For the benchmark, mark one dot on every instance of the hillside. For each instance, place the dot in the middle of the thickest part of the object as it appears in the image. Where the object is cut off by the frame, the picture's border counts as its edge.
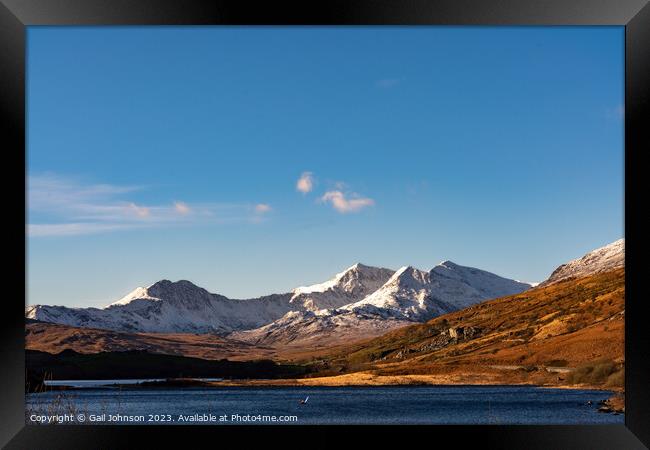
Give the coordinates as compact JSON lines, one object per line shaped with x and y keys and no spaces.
{"x":54,"y":338}
{"x":603,"y":259}
{"x":561,"y":333}
{"x":70,"y":365}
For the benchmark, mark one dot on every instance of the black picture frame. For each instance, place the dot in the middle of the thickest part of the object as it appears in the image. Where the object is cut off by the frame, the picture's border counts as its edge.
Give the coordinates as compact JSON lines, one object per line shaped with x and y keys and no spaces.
{"x":16,"y":15}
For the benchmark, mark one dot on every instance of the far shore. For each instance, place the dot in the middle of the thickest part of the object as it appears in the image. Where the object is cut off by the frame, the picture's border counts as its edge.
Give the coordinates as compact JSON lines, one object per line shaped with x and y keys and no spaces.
{"x":359,"y":379}
{"x":614,"y":404}
{"x":356,"y":379}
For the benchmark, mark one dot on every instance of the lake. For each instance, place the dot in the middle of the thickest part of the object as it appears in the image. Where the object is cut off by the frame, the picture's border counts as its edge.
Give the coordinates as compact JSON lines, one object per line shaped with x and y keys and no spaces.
{"x":325,"y":405}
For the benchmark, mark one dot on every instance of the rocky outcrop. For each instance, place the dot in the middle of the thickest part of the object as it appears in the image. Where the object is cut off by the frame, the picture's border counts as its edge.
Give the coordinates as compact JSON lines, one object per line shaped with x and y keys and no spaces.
{"x":462,"y":333}
{"x":450,"y":336}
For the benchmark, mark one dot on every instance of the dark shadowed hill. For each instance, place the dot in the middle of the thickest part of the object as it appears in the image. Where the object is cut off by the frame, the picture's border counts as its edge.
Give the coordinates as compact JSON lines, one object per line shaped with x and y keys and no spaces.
{"x":70,"y":365}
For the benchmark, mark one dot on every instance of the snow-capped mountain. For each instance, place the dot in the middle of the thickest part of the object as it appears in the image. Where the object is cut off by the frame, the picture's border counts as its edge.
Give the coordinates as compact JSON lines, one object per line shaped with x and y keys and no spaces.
{"x":359,"y":299}
{"x":359,"y":302}
{"x":182,"y":306}
{"x":412,"y":294}
{"x":409,"y":295}
{"x":346,"y":287}
{"x":603,"y":259}
{"x":166,"y":307}
{"x":319,"y":328}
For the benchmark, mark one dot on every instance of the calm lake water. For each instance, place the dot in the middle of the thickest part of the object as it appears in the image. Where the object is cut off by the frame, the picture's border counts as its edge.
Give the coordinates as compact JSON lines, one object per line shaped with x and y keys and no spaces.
{"x":325,"y":405}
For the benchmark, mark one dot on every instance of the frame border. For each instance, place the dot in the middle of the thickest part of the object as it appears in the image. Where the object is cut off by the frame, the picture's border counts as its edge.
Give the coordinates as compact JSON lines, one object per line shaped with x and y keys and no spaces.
{"x":16,"y":15}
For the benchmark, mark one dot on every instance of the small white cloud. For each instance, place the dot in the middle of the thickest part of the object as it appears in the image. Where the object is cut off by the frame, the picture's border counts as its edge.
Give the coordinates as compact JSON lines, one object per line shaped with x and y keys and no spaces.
{"x":262,"y":208}
{"x":182,"y":208}
{"x":305,"y":183}
{"x":345,"y":205}
{"x":140,"y":211}
{"x":387,"y":83}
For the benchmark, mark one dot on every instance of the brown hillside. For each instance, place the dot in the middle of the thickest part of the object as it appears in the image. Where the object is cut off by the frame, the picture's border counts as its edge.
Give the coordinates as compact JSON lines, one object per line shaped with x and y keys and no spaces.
{"x":571,"y":332}
{"x":54,"y":338}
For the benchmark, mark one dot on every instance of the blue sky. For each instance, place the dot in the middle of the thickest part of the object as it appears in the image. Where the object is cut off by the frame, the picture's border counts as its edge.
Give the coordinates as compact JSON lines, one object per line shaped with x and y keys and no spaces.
{"x":254,"y":160}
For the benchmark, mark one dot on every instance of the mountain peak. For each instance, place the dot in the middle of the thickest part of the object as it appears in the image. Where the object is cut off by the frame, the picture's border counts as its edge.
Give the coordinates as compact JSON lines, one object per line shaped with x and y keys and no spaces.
{"x":356,"y":271}
{"x":162,"y":290}
{"x":167,"y":283}
{"x":166,"y":288}
{"x":346,"y":287}
{"x":603,"y":259}
{"x":449,"y":264}
{"x":404,"y":269}
{"x":357,"y":267}
{"x":136,"y":294}
{"x":407,"y":275}
{"x":353,"y":268}
{"x":413,"y":294}
{"x":364,"y":292}
{"x":161,"y":283}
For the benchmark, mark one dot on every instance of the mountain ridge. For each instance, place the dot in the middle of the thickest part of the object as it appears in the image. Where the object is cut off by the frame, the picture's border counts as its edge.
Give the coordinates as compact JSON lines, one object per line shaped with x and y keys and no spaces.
{"x":366,"y":298}
{"x":409,"y":295}
{"x":181,"y":306}
{"x":602,"y":259}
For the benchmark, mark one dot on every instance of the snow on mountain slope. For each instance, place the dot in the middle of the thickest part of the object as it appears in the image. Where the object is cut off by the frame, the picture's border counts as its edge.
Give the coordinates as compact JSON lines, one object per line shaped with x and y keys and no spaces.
{"x":170,"y":307}
{"x":346,"y":287}
{"x":361,"y":301}
{"x":182,"y":306}
{"x":408,"y":295}
{"x":602,"y":259}
{"x":315,"y":329}
{"x":486,"y":283}
{"x":412,"y":294}
{"x":360,"y":298}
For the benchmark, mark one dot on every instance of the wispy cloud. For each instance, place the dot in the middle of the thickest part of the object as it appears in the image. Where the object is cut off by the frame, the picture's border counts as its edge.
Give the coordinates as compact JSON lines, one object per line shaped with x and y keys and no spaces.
{"x":344,"y":203}
{"x":75,"y":229}
{"x":305,"y":183}
{"x":182,"y":208}
{"x":387,"y":83}
{"x":262,"y":208}
{"x":140,"y":211}
{"x":62,"y":206}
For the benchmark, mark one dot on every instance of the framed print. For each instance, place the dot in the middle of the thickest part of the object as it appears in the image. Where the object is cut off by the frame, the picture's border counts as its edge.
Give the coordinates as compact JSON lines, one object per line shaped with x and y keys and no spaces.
{"x":292,"y":221}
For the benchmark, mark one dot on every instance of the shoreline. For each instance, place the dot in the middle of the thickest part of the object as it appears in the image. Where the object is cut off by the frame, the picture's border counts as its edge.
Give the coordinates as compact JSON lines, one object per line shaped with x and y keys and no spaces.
{"x":615,"y":403}
{"x":357,"y":379}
